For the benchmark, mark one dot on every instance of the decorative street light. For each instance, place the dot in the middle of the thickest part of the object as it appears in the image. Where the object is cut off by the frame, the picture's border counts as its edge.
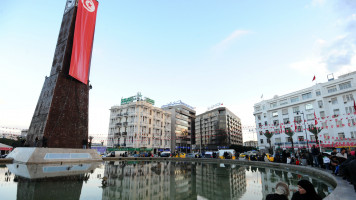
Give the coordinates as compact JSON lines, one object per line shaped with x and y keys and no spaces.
{"x":305,"y":128}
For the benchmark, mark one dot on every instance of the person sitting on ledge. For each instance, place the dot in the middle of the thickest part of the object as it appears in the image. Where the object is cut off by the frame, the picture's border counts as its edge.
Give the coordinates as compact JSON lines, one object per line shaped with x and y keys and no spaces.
{"x":306,"y":191}
{"x":282,"y":192}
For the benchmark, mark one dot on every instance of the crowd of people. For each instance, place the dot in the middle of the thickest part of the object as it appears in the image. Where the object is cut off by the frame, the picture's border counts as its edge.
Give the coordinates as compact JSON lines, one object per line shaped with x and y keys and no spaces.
{"x":342,"y":163}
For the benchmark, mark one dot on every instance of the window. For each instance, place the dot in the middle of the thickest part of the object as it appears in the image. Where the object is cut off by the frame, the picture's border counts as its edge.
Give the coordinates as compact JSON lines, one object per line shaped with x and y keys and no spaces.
{"x":286,"y":121}
{"x":320,"y":104}
{"x":318,"y":93}
{"x":353,"y":134}
{"x":265,"y":123}
{"x":285,"y":111}
{"x":341,"y":135}
{"x":312,"y":137}
{"x":336,"y":112}
{"x":260,"y":125}
{"x":287,"y":130}
{"x":259,"y":117}
{"x":261,"y":141}
{"x":275,"y":122}
{"x":273,"y":105}
{"x":299,"y":129}
{"x":306,"y":96}
{"x":333,"y":100}
{"x":326,"y":136}
{"x":261,"y":133}
{"x":298,"y":119}
{"x":352,"y":122}
{"x":277,"y":140}
{"x":322,"y":114}
{"x":348,"y":97}
{"x":264,"y":115}
{"x":339,"y":123}
{"x":324,"y":124}
{"x":294,"y":99}
{"x":300,"y":138}
{"x":275,"y":114}
{"x":257,"y":108}
{"x":309,"y":106}
{"x":283,"y":102}
{"x":332,"y":89}
{"x":277,"y":131}
{"x":346,"y":85}
{"x":349,"y":110}
{"x":310,"y":117}
{"x":295,"y":109}
{"x":288,"y":139}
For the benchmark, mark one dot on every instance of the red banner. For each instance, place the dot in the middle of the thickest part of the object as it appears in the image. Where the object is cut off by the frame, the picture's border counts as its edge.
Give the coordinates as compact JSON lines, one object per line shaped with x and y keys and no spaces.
{"x":83,"y":40}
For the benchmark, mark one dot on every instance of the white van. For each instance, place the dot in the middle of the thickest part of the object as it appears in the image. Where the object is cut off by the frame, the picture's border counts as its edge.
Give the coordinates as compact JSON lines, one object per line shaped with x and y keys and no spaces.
{"x":222,"y":151}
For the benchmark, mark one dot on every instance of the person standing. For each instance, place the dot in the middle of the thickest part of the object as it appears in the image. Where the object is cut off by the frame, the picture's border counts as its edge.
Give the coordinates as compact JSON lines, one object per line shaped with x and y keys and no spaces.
{"x":315,"y":153}
{"x":281,"y":192}
{"x":342,"y":153}
{"x":306,"y":191}
{"x":84,"y":143}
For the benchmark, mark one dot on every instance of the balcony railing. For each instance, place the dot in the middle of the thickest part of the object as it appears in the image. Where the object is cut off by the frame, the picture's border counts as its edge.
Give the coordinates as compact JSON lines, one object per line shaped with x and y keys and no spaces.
{"x":119,"y":124}
{"x":125,"y":123}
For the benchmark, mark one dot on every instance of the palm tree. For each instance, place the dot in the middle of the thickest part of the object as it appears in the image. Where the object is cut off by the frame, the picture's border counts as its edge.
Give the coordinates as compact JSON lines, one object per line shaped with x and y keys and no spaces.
{"x":269,"y":135}
{"x":290,"y":133}
{"x":315,"y":131}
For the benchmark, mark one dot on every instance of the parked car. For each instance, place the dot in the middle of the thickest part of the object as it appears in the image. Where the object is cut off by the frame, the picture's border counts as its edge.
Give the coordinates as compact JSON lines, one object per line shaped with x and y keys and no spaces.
{"x":166,"y":154}
{"x":270,"y":157}
{"x":242,"y":155}
{"x":191,"y":155}
{"x":180,"y":155}
{"x":3,"y":156}
{"x":208,"y":154}
{"x":231,"y":152}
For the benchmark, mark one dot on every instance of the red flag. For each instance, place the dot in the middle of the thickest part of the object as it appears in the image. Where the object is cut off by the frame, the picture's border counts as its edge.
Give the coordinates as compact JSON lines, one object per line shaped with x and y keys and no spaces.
{"x":83,"y":40}
{"x":313,"y":78}
{"x":316,"y":122}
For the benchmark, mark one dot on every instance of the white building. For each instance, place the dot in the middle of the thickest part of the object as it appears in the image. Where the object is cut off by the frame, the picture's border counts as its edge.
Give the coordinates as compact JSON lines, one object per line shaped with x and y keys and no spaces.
{"x":333,"y":105}
{"x":136,"y":123}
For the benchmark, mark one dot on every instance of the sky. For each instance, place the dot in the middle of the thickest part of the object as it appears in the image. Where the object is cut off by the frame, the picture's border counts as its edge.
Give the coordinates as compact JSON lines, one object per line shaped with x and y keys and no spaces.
{"x":201,"y":52}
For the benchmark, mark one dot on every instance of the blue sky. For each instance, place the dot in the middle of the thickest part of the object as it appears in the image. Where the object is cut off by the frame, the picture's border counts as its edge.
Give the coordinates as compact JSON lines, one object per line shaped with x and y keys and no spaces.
{"x":201,"y":52}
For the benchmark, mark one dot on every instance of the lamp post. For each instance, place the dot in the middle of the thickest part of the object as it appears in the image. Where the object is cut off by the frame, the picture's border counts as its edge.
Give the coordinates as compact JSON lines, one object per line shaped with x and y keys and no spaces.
{"x":305,"y":128}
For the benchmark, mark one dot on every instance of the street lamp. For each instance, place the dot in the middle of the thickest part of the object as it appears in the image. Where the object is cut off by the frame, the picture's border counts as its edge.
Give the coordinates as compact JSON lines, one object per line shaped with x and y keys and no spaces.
{"x":305,"y":128}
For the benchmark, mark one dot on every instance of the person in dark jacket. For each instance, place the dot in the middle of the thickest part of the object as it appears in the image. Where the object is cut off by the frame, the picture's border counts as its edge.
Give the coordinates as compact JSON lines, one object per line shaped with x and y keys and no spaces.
{"x":282,"y":192}
{"x":306,"y":191}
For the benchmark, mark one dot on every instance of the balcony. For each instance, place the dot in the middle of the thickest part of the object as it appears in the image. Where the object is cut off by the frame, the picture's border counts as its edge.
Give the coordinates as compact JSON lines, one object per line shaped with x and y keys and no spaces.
{"x":119,"y":124}
{"x":119,"y":115}
{"x":123,"y":145}
{"x":124,"y":133}
{"x":125,"y":114}
{"x":125,"y":123}
{"x":117,"y":134}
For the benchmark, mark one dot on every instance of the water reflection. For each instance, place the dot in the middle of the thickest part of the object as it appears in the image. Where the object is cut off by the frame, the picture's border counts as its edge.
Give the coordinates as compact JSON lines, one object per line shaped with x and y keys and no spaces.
{"x":145,"y":180}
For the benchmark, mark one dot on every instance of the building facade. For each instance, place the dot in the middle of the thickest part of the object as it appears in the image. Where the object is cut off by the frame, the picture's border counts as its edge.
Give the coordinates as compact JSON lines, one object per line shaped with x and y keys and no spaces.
{"x":329,"y":106}
{"x":138,"y":124}
{"x":251,"y":143}
{"x":217,"y":128}
{"x":182,"y":126}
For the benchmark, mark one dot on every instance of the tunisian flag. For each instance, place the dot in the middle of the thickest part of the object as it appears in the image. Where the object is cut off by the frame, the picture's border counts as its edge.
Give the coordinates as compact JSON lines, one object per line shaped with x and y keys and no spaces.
{"x":316,"y":122}
{"x":83,"y":40}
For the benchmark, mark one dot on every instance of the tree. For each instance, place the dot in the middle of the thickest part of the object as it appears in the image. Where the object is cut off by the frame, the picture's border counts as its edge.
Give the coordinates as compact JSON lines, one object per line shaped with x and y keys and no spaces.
{"x":315,"y":131}
{"x":290,"y":133}
{"x":269,"y":135}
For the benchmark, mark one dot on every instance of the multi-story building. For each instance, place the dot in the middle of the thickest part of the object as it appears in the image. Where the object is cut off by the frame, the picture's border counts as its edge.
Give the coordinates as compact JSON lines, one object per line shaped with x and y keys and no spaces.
{"x":182,"y":126}
{"x":209,"y":181}
{"x":251,"y":143}
{"x":136,"y":123}
{"x":329,"y":106}
{"x":217,"y":128}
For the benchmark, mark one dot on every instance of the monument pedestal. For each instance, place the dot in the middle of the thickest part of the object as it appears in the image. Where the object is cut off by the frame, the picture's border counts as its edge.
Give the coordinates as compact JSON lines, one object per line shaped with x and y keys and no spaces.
{"x":36,"y":155}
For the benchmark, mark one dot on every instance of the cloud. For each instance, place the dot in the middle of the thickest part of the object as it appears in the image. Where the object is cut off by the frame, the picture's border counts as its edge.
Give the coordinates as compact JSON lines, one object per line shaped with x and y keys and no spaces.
{"x":230,"y":39}
{"x":337,"y":56}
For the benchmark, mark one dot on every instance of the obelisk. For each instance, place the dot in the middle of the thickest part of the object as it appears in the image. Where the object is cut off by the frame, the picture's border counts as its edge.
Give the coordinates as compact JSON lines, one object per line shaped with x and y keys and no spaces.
{"x":60,"y":119}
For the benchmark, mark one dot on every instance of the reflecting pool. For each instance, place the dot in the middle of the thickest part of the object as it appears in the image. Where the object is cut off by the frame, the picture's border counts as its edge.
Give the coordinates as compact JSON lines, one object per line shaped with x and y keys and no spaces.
{"x":146,"y":180}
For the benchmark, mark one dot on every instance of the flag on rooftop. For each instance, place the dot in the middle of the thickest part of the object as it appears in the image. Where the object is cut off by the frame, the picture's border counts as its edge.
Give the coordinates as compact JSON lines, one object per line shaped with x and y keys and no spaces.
{"x":313,"y":78}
